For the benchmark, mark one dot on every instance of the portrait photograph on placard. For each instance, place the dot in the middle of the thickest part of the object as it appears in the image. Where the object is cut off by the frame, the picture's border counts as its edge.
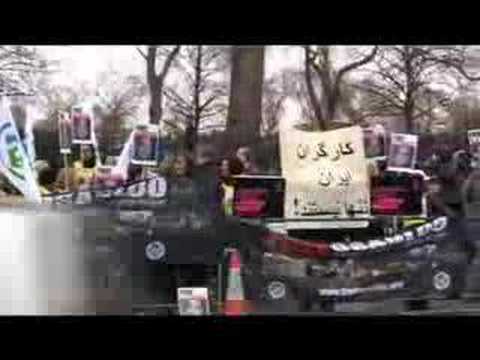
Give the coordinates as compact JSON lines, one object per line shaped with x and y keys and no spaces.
{"x":474,"y":141}
{"x":65,"y":134}
{"x":193,"y":301}
{"x":82,"y":124}
{"x":145,"y":146}
{"x":403,"y":152}
{"x":374,"y":141}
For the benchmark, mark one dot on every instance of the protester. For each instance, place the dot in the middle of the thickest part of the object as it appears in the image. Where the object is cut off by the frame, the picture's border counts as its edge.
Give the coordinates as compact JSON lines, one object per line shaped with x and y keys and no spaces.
{"x":448,"y":200}
{"x":46,"y":180}
{"x":84,"y":169}
{"x":6,"y":188}
{"x":471,"y":190}
{"x":134,"y":172}
{"x":228,"y":168}
{"x":205,"y":177}
{"x":183,"y":195}
{"x":244,"y":154}
{"x":105,"y":177}
{"x":181,"y":187}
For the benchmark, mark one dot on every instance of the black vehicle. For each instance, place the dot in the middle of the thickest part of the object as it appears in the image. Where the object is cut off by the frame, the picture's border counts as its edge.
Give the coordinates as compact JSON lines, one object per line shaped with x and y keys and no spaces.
{"x":318,"y":265}
{"x":172,"y":249}
{"x":157,"y":244}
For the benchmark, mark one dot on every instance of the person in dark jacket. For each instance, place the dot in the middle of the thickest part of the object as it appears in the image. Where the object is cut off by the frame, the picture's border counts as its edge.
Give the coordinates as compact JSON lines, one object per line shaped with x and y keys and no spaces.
{"x":189,"y":197}
{"x":228,"y":168}
{"x":205,"y":177}
{"x":448,"y":200}
{"x":181,"y":187}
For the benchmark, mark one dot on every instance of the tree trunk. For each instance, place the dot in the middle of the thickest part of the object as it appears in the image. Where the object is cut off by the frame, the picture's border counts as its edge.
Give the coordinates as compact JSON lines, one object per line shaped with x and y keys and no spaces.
{"x":155,"y":109}
{"x":315,"y":103}
{"x":409,"y":101}
{"x":244,"y":117}
{"x":196,"y":97}
{"x":408,"y":112}
{"x":155,"y":81}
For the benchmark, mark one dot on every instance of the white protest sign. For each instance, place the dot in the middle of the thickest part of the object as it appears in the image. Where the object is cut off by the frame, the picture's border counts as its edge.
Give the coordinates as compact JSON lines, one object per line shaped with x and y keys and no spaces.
{"x":193,"y":301}
{"x":145,"y":146}
{"x":474,"y":141}
{"x":82,"y":125}
{"x":326,"y":174}
{"x":402,"y":155}
{"x":374,"y":140}
{"x":65,"y":133}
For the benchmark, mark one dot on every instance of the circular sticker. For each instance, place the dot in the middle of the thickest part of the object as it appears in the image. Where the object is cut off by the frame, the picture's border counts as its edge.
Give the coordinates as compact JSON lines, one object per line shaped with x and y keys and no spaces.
{"x":441,"y":281}
{"x":155,"y":250}
{"x":276,"y":290}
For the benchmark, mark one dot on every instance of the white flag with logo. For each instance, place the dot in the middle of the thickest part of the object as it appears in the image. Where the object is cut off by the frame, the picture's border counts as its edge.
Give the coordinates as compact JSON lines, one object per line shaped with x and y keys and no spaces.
{"x":124,"y":159}
{"x":14,"y":162}
{"x":29,"y":141}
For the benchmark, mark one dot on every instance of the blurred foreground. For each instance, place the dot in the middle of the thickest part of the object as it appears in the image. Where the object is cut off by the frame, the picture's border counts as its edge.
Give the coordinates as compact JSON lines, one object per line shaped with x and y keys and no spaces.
{"x":52,"y":265}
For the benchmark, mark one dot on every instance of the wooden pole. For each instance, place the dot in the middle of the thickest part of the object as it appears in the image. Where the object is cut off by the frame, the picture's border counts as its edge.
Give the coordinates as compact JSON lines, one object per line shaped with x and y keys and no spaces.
{"x":67,"y":172}
{"x":82,"y":154}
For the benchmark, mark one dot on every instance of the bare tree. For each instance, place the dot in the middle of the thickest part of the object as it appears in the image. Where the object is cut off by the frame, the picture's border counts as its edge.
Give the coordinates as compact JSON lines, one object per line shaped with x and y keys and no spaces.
{"x":464,"y":113}
{"x":156,"y":79}
{"x":276,"y":91}
{"x":325,"y":101}
{"x":18,"y":66}
{"x":403,"y":75}
{"x":54,"y":99}
{"x":118,"y":102}
{"x":202,"y":97}
{"x":245,"y":101}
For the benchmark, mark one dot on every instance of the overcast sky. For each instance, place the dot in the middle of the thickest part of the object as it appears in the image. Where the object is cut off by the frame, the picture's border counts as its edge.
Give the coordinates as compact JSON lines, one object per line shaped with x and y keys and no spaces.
{"x":83,"y":64}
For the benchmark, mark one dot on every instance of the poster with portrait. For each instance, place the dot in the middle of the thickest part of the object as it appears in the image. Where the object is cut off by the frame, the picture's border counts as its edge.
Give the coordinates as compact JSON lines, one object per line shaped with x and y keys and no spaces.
{"x":326,"y":174}
{"x":65,"y":134}
{"x":193,"y":301}
{"x":145,"y":146}
{"x":375,"y":142}
{"x":402,"y":155}
{"x":82,"y":126}
{"x":474,"y":141}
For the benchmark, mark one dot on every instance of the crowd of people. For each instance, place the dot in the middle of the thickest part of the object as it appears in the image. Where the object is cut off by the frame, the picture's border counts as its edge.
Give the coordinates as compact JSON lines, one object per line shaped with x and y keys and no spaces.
{"x":202,"y":176}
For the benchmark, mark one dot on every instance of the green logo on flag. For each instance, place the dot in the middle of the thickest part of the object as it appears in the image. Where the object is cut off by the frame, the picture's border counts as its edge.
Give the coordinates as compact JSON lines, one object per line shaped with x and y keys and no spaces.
{"x":16,"y":162}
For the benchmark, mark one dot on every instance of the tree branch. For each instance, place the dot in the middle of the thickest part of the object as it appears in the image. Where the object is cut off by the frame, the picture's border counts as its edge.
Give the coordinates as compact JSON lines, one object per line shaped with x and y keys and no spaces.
{"x":177,"y":100}
{"x":208,"y":102}
{"x":347,"y":68}
{"x":168,"y":62}
{"x":142,"y":53}
{"x":317,"y":108}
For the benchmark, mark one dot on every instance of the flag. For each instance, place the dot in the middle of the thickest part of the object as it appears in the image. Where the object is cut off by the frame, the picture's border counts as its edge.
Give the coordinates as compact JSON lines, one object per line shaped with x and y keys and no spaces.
{"x":14,"y":161}
{"x":29,"y":140}
{"x":96,"y":149}
{"x":123,"y":161}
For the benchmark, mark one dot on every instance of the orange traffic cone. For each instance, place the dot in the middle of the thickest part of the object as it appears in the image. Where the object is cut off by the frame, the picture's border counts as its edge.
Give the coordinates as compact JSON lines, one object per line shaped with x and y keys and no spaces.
{"x":235,"y":303}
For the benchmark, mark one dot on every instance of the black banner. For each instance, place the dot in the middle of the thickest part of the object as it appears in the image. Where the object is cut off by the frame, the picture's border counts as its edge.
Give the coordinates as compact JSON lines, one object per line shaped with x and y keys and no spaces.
{"x":151,"y":189}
